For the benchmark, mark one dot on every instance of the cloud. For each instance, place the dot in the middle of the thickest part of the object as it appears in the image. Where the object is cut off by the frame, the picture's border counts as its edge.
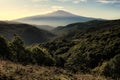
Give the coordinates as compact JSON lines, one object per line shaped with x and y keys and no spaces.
{"x":73,"y":1}
{"x":38,"y":0}
{"x":108,"y":1}
{"x":78,"y":1}
{"x":62,"y":0}
{"x":57,"y":7}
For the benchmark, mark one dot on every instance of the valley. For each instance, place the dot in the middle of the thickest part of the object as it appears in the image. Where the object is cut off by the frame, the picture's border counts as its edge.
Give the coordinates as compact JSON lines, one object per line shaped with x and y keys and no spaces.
{"x":59,"y":39}
{"x":86,"y":48}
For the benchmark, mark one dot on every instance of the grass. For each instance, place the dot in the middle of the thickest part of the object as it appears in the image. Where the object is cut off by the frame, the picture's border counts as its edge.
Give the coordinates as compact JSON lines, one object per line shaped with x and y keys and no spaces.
{"x":13,"y":71}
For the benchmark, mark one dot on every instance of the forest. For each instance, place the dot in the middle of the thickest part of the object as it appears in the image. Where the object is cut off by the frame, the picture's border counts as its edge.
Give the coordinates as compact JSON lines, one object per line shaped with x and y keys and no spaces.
{"x":89,"y":50}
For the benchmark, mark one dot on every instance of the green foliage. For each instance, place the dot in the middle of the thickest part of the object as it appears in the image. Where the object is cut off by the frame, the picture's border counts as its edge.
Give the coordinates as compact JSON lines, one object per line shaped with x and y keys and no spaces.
{"x":111,"y":68}
{"x":57,"y":49}
{"x":88,"y":50}
{"x":41,"y":57}
{"x":4,"y":49}
{"x":17,"y":49}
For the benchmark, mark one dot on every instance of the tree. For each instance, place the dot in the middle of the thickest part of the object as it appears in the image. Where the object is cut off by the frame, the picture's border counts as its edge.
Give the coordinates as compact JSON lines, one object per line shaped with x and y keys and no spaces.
{"x":4,"y":49}
{"x":112,"y":68}
{"x":41,"y":57}
{"x":17,"y":49}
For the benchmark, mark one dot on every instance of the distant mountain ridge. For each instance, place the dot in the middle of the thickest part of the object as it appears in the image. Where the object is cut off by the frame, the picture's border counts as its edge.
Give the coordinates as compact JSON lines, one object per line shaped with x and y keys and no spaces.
{"x":90,"y":26}
{"x":29,"y":33}
{"x":60,"y":13}
{"x":44,"y":27}
{"x":57,"y":18}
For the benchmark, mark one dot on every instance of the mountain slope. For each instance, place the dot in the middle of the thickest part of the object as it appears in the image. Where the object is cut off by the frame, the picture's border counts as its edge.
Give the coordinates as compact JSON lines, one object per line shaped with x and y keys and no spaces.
{"x":45,"y":27}
{"x":94,"y":47}
{"x":30,"y":34}
{"x":83,"y":27}
{"x":57,"y":18}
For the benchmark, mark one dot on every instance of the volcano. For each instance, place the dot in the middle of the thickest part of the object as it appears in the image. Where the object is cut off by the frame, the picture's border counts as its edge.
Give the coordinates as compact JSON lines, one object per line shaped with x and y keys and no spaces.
{"x":57,"y":18}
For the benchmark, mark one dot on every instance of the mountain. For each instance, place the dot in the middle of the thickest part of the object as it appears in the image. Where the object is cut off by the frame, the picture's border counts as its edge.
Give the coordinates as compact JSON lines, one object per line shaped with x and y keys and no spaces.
{"x":44,"y":27}
{"x":94,"y":47}
{"x":57,"y":18}
{"x":83,"y":27}
{"x":29,"y":33}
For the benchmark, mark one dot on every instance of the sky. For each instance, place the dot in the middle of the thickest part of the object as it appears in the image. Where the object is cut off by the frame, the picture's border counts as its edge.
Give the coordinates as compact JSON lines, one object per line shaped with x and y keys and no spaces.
{"x":14,"y":9}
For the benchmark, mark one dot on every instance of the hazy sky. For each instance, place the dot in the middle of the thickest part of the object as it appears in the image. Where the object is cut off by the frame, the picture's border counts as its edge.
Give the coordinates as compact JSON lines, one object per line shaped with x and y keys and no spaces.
{"x":12,"y":9}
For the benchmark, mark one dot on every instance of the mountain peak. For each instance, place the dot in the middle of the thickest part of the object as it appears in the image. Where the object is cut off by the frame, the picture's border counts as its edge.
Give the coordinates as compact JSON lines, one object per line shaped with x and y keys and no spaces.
{"x":56,"y":18}
{"x":61,"y":13}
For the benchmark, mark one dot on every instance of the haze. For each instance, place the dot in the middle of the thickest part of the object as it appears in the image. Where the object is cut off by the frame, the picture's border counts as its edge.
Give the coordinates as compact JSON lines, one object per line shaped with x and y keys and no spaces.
{"x":13,"y":9}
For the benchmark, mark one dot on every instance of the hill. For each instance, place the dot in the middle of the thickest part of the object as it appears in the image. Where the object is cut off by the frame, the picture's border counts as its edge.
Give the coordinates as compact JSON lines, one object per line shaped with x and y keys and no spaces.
{"x":94,"y":50}
{"x":29,"y":33}
{"x":45,"y":27}
{"x":84,"y":27}
{"x":57,"y":18}
{"x":90,"y":47}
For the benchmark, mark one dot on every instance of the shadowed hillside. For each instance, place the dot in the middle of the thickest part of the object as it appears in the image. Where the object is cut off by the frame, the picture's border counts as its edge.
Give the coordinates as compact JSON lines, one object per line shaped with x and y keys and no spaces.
{"x":85,"y":27}
{"x":91,"y":49}
{"x":30,"y":34}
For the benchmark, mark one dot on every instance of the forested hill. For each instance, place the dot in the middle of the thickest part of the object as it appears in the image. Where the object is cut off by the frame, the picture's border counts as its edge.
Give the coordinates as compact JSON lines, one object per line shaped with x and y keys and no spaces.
{"x":30,"y":34}
{"x":94,"y":50}
{"x":94,"y":47}
{"x":85,"y":27}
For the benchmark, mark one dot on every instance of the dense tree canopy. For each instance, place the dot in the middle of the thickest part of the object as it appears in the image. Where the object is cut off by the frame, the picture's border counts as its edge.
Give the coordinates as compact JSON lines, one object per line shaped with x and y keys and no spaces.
{"x":90,"y":50}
